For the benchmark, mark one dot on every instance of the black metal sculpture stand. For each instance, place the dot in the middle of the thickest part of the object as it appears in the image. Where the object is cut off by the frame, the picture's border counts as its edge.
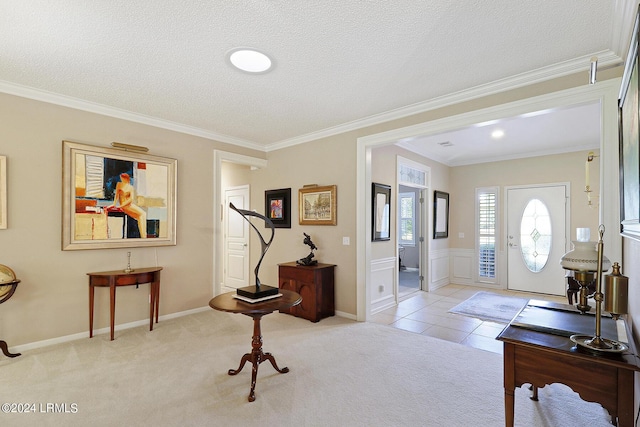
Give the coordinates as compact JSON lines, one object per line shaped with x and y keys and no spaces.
{"x":259,"y":290}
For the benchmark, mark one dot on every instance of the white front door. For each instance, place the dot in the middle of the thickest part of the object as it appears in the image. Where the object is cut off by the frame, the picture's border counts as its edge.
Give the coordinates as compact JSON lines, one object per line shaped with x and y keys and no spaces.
{"x":236,"y":239}
{"x":536,"y":238}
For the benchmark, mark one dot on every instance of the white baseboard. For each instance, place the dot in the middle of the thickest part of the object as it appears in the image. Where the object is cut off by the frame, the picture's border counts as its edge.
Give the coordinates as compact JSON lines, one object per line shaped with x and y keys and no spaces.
{"x":81,"y":335}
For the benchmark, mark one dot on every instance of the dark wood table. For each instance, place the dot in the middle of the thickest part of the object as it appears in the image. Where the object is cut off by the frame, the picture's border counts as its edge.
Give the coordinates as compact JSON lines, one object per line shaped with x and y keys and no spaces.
{"x":113,"y":279}
{"x":538,"y":351}
{"x":227,"y":302}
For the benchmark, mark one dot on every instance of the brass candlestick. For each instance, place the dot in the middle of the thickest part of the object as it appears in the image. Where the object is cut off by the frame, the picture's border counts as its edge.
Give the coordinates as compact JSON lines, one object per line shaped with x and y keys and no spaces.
{"x":128,"y":269}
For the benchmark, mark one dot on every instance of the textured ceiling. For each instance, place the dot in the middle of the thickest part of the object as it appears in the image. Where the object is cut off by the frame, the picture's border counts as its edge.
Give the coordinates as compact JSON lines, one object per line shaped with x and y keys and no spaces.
{"x":339,"y":63}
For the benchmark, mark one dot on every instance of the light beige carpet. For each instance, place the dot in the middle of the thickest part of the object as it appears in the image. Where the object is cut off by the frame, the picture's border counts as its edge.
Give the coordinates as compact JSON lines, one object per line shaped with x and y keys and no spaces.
{"x":343,"y":373}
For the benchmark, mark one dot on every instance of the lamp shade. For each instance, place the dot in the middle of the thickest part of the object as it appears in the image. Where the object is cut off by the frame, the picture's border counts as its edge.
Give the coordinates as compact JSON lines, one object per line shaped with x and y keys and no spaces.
{"x":584,"y":257}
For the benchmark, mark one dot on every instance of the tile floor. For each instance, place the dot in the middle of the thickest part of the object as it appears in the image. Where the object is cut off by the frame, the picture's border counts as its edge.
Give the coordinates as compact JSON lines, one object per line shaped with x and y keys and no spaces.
{"x":427,"y":313}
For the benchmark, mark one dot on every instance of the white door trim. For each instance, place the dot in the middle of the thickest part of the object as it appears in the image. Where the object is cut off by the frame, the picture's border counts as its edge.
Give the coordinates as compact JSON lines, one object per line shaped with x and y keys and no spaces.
{"x":605,"y":92}
{"x":218,"y":241}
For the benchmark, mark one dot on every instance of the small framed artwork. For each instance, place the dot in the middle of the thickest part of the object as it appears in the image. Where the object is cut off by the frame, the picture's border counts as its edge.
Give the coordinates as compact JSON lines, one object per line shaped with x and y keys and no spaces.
{"x":381,"y":208}
{"x":629,"y":144}
{"x":116,"y":198}
{"x":3,"y":192}
{"x":277,"y":207}
{"x":440,"y":215}
{"x":317,"y":205}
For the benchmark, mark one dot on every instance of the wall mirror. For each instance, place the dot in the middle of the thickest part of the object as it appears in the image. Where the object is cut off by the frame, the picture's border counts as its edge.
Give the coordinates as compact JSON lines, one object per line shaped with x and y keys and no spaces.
{"x":440,"y":215}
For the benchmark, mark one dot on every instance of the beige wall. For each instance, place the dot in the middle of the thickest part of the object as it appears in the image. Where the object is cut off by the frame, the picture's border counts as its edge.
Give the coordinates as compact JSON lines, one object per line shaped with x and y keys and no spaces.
{"x":52,"y":299}
{"x":234,"y":175}
{"x":324,"y":162}
{"x":567,"y":167}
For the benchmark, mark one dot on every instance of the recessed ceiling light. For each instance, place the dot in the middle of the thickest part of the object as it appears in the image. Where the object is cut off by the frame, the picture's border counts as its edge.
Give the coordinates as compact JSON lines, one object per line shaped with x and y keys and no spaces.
{"x":497,"y":134}
{"x":249,"y":60}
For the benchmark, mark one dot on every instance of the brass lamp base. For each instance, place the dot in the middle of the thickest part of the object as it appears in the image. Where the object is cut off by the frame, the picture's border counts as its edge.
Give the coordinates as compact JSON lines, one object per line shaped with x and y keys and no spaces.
{"x":599,"y":344}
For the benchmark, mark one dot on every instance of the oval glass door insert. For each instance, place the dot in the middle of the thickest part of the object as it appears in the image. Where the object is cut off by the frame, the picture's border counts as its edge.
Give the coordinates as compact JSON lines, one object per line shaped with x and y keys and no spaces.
{"x":535,"y":235}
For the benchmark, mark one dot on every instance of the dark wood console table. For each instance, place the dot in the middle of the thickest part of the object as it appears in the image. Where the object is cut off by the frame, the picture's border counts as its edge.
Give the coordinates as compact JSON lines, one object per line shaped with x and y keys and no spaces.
{"x":315,"y":283}
{"x":226,"y":302}
{"x":115,"y":278}
{"x":538,"y":351}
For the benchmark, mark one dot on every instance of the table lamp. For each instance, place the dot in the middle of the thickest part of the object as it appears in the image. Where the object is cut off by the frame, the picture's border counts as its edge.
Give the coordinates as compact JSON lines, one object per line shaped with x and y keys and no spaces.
{"x":582,"y":261}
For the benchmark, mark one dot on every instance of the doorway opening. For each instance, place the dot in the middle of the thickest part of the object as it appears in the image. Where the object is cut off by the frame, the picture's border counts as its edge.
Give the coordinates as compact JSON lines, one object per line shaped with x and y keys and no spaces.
{"x":230,"y":170}
{"x":409,"y":240}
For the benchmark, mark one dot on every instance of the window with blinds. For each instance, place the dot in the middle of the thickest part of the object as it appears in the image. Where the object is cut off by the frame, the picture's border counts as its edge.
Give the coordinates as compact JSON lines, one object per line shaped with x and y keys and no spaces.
{"x":407,"y":218}
{"x":487,"y":209}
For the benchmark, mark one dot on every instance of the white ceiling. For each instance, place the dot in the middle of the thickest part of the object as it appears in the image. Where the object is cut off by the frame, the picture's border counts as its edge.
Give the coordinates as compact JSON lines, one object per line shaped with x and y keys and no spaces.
{"x":340,"y":64}
{"x":546,"y":132}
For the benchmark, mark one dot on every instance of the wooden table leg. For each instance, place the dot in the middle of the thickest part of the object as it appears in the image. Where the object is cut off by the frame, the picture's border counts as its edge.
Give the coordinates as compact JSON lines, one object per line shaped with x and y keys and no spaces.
{"x":157,"y":283}
{"x":256,"y":357}
{"x":625,"y":398}
{"x":509,"y":384}
{"x":152,"y":303}
{"x":112,"y":303}
{"x":91,"y":295}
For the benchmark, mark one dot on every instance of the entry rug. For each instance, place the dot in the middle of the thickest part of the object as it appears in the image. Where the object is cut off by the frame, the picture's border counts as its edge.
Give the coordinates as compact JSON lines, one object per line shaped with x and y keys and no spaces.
{"x":490,"y":306}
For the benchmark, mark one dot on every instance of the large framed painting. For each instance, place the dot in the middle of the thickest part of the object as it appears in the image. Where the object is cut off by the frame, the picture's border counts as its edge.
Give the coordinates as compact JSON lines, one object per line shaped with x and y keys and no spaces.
{"x":628,"y":114}
{"x":317,"y":205}
{"x":3,"y":192}
{"x":381,"y":212}
{"x":277,"y":207}
{"x":116,"y":199}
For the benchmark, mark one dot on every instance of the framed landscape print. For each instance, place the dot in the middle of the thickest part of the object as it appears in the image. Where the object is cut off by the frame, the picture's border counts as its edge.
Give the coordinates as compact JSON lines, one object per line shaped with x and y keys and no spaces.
{"x":381,"y":211}
{"x":116,"y":199}
{"x":628,"y":113}
{"x":277,"y":207}
{"x":317,"y":205}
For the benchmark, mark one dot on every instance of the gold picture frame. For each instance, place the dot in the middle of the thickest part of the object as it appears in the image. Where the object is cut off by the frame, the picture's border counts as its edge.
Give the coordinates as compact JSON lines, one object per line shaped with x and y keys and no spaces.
{"x":3,"y":192}
{"x":115,"y":198}
{"x":317,"y":205}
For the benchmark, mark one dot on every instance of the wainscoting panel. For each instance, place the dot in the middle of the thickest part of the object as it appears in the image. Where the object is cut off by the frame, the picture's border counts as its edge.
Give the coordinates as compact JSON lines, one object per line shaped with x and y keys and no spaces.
{"x":438,"y":269}
{"x":383,"y":283}
{"x":462,"y":266}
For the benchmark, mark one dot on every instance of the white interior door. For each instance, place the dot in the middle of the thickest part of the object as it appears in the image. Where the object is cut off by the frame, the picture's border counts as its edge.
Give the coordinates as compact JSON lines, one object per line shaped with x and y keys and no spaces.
{"x":536,"y":238}
{"x":236,"y":239}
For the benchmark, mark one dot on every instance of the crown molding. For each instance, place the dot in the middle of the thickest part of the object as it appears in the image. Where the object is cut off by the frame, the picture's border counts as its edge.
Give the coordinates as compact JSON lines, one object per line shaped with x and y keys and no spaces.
{"x":624,"y":14}
{"x":606,"y":59}
{"x":105,"y":110}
